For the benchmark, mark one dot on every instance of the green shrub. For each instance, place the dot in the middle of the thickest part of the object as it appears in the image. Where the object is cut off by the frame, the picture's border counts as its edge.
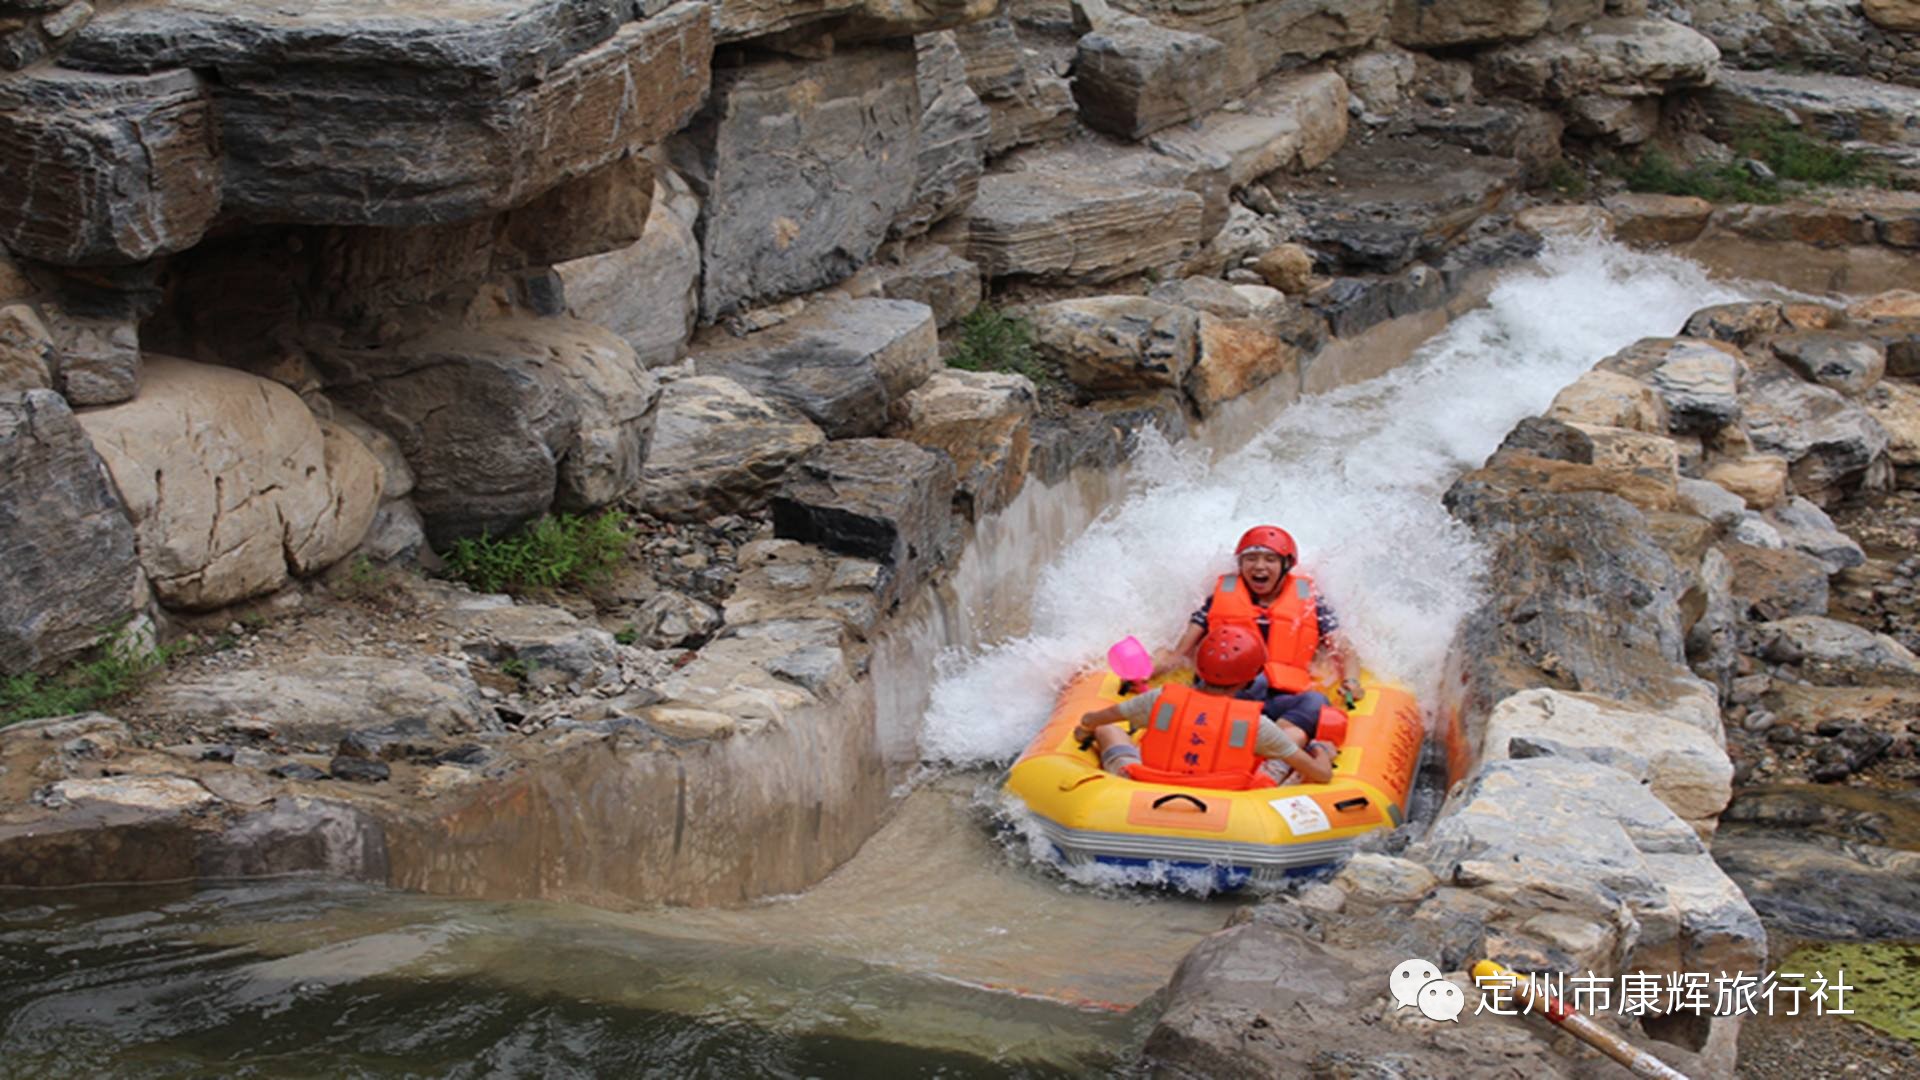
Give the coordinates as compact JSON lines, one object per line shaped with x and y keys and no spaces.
{"x":993,"y":341}
{"x":554,"y":552}
{"x":122,"y":659}
{"x":1566,"y":179}
{"x":1795,"y":155}
{"x":1792,"y":155}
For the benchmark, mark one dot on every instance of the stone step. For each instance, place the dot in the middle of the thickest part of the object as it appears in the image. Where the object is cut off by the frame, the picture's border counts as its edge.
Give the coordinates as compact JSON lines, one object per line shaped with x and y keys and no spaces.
{"x":1079,"y":228}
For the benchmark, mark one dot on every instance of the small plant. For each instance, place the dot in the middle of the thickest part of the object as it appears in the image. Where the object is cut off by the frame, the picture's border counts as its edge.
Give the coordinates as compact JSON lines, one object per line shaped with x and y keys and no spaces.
{"x":1566,"y":179}
{"x":1789,"y":155}
{"x":1656,"y":173}
{"x":554,"y":552}
{"x":991,"y":340}
{"x":1795,"y":155}
{"x":515,"y":667}
{"x":627,"y":634}
{"x":122,"y":658}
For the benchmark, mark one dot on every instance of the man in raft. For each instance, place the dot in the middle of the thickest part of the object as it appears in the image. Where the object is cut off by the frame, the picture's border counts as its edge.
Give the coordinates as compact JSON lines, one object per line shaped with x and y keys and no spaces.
{"x":1279,"y":604}
{"x":1199,"y":734}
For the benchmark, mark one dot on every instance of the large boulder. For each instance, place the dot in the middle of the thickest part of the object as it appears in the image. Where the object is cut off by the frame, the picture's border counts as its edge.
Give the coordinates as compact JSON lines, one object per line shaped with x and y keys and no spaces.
{"x":64,"y":537}
{"x":505,"y":419}
{"x":1580,"y":597}
{"x":1292,"y":123}
{"x":1685,"y":766}
{"x":1611,"y":399}
{"x":954,"y":129}
{"x":1846,"y":110}
{"x":1132,"y":78}
{"x":322,"y":113}
{"x":1113,"y":345}
{"x":1616,"y":57}
{"x":1902,"y":16}
{"x":1775,"y":583}
{"x":26,"y":350}
{"x":1848,"y":362}
{"x":1423,"y":24}
{"x":933,"y":275}
{"x":1591,"y":845}
{"x":883,"y":500}
{"x":841,"y":363}
{"x":1895,"y":405}
{"x":1833,"y":446}
{"x":1829,"y":652}
{"x":648,"y":291}
{"x":1028,"y":102}
{"x":718,"y":449}
{"x":1699,"y":381}
{"x":106,"y":168}
{"x":231,"y":483}
{"x":322,"y":699}
{"x":1234,"y":356}
{"x":983,"y":421}
{"x":1645,"y":218}
{"x":802,"y":166}
{"x":1806,"y":528}
{"x":1078,"y":229}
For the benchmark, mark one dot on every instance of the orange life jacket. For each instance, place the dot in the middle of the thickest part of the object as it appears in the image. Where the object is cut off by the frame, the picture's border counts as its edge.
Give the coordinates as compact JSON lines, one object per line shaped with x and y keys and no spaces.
{"x":1293,"y":626}
{"x":1201,"y":740}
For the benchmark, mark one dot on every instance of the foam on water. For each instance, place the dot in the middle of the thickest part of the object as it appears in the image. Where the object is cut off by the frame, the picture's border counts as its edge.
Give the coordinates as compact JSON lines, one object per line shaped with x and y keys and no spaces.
{"x":1356,"y":475}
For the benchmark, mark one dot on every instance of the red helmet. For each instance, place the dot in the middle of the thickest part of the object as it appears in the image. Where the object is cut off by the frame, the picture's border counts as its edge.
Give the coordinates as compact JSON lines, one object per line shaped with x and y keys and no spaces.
{"x":1271,"y":537}
{"x":1229,"y":656}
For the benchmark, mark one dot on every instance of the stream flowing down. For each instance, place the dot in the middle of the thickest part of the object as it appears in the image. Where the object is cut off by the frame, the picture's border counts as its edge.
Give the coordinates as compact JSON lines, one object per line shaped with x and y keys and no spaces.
{"x":1356,"y":475}
{"x":938,"y":950}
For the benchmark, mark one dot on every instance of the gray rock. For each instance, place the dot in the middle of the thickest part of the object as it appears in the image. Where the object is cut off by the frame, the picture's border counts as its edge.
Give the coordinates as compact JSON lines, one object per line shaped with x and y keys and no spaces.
{"x":321,"y":699}
{"x":1741,"y":323}
{"x":1621,"y":121}
{"x":1058,"y":228}
{"x":1027,"y":103}
{"x":1132,"y":78}
{"x":298,"y":835}
{"x":26,"y":350}
{"x":1290,"y":33}
{"x":955,"y":126}
{"x":315,"y":113}
{"x":982,"y":421}
{"x":801,"y":166}
{"x":933,"y":275}
{"x":718,"y":448}
{"x":64,"y":536}
{"x":554,"y":646}
{"x":1805,"y":527}
{"x":1383,"y":879}
{"x":503,"y":420}
{"x":96,"y":358}
{"x":1845,"y":110}
{"x":1699,"y":381}
{"x":648,"y":291}
{"x":1756,"y":531}
{"x":106,"y":168}
{"x":359,"y":770}
{"x":1832,"y":445}
{"x":1833,"y":653}
{"x":1635,"y":57}
{"x":1420,"y":24}
{"x":1116,"y":345}
{"x":1393,"y":201}
{"x":841,"y":363}
{"x":1848,"y":362}
{"x":1713,"y":641}
{"x":1593,"y":840}
{"x":1613,"y":623}
{"x":1709,"y":500}
{"x":668,"y":620}
{"x":1292,"y":124}
{"x":880,"y":499}
{"x":1776,"y":583}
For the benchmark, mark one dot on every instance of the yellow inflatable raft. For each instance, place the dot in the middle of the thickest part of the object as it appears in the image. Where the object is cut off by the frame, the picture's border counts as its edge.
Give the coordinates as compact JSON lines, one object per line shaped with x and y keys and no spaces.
{"x":1259,"y":835}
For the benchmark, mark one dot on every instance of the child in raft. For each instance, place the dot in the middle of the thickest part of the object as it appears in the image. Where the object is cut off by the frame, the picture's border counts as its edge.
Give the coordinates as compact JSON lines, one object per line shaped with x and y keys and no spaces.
{"x":1228,"y":661}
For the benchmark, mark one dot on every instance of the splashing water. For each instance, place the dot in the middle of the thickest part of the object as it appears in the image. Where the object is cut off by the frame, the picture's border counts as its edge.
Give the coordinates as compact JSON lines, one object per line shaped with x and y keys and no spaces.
{"x":1356,"y":476}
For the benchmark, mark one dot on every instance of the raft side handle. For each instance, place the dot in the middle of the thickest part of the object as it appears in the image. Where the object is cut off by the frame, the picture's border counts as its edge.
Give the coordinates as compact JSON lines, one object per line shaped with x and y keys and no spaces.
{"x":1355,"y":803}
{"x":1165,"y":799}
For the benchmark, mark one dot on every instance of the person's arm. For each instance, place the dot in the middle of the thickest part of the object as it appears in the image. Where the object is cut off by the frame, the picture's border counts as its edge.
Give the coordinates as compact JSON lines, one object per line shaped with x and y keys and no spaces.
{"x":1346,"y":665}
{"x":1314,"y":763}
{"x":1131,"y":709}
{"x":1181,"y":655}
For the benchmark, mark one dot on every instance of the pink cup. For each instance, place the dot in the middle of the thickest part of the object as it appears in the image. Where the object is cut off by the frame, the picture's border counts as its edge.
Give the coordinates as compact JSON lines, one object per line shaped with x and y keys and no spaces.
{"x":1130,"y":660}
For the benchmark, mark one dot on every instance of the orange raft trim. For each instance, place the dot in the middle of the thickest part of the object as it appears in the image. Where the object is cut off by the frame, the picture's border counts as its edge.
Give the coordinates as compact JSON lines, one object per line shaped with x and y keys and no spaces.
{"x":1094,"y":817}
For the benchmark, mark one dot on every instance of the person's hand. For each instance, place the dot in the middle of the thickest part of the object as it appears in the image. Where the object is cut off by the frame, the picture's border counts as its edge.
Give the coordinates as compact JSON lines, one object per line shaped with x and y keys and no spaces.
{"x":1167,"y":660}
{"x":1351,"y":690}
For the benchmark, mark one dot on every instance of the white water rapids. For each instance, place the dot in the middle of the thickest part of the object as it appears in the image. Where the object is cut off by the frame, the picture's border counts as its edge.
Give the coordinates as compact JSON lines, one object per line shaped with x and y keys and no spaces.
{"x":1356,"y":476}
